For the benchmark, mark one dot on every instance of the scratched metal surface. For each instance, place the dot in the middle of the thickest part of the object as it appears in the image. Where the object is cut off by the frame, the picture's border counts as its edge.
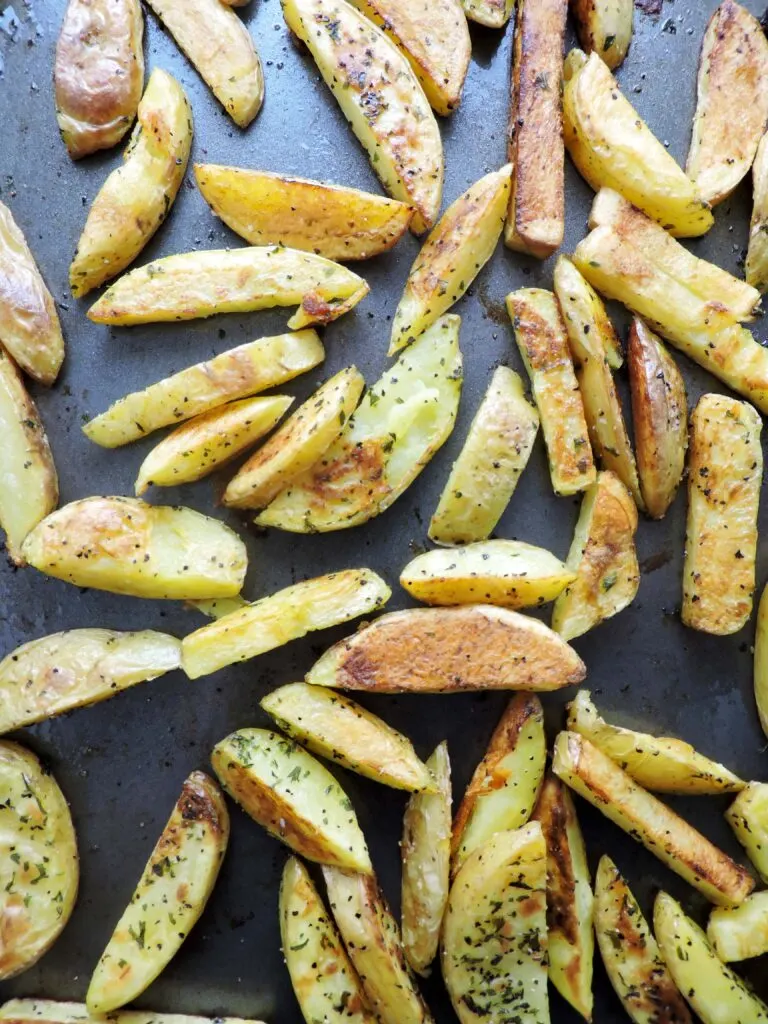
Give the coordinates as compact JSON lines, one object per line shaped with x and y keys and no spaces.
{"x":121,"y":764}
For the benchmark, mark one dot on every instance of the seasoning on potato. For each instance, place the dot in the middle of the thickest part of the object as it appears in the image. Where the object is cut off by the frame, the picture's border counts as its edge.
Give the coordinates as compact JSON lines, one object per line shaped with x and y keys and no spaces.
{"x":605,"y":27}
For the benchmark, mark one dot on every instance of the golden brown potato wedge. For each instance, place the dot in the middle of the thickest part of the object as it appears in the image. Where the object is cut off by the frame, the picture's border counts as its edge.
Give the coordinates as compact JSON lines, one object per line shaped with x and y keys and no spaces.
{"x":604,"y":27}
{"x":582,"y":309}
{"x":756,"y":267}
{"x":748,"y":817}
{"x":739,"y":933}
{"x":760,"y":673}
{"x":46,"y":1011}
{"x":491,"y":13}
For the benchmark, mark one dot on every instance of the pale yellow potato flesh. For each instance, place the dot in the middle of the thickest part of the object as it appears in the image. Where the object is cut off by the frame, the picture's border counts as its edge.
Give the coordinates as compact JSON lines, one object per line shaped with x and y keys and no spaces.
{"x":760,"y":669}
{"x":491,"y":13}
{"x":170,"y":897}
{"x":397,"y":127}
{"x":135,"y":199}
{"x":582,"y":309}
{"x":748,"y":817}
{"x":457,"y":249}
{"x":329,"y":220}
{"x":739,"y":933}
{"x":128,"y":547}
{"x":241,"y":371}
{"x":46,"y":1011}
{"x":756,"y":266}
{"x":217,"y":607}
{"x":604,"y":27}
{"x":485,"y":474}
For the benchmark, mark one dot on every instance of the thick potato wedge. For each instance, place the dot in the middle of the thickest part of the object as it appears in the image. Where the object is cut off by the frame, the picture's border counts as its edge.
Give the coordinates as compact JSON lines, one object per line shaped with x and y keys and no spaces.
{"x":732,"y":101}
{"x":219,"y":45}
{"x":494,"y":942}
{"x":404,"y":418}
{"x":324,"y":981}
{"x":724,"y":479}
{"x":335,"y":727}
{"x":504,"y":572}
{"x":457,"y":249}
{"x":292,"y":795}
{"x":596,"y":778}
{"x":238,"y":372}
{"x":284,"y":616}
{"x":46,"y":1011}
{"x":63,"y":671}
{"x":748,"y":817}
{"x":503,"y":790}
{"x":582,"y":309}
{"x":272,"y":209}
{"x":491,"y":13}
{"x":603,"y":557}
{"x":135,"y":199}
{"x":632,"y":960}
{"x":739,"y":933}
{"x":426,"y":855}
{"x":38,"y":860}
{"x":543,"y":342}
{"x":128,"y":547}
{"x":171,"y":895}
{"x":381,"y":98}
{"x":298,"y":444}
{"x":448,"y":650}
{"x":98,"y":73}
{"x":604,"y":27}
{"x":756,"y":267}
{"x":760,"y":671}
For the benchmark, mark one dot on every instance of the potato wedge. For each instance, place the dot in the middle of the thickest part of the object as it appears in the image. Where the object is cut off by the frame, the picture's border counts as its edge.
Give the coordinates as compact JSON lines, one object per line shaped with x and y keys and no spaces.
{"x":604,"y":558}
{"x":219,"y":45}
{"x":426,"y":855}
{"x":760,"y":671}
{"x":505,"y":785}
{"x":292,"y":795}
{"x":238,"y":372}
{"x":98,"y":73}
{"x":218,"y":607}
{"x":38,"y":860}
{"x":756,"y":267}
{"x":748,"y":817}
{"x":739,"y":933}
{"x":543,"y":343}
{"x":209,"y":441}
{"x":79,"y":667}
{"x":336,"y":728}
{"x":457,"y":249}
{"x":170,"y":897}
{"x":286,"y":615}
{"x":128,"y":547}
{"x":491,"y":13}
{"x":604,"y":27}
{"x":381,"y":98}
{"x":299,"y":443}
{"x":494,"y":942}
{"x":404,"y":418}
{"x":135,"y":199}
{"x":632,"y":959}
{"x":448,"y":650}
{"x":324,"y":981}
{"x":582,"y":309}
{"x":46,"y":1011}
{"x":504,"y":572}
{"x":329,"y":220}
{"x":596,"y":778}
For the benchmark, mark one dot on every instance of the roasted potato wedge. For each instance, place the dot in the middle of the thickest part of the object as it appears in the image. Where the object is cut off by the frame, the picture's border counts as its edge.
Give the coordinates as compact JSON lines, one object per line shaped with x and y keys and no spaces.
{"x":739,"y":933}
{"x":128,"y":547}
{"x":404,"y":418}
{"x":503,"y":790}
{"x":582,"y":309}
{"x":170,"y":897}
{"x":63,"y":671}
{"x":331,"y":221}
{"x":292,"y":795}
{"x":760,"y":671}
{"x":494,"y":942}
{"x":240,"y":371}
{"x":748,"y":817}
{"x":381,"y":98}
{"x":338,"y":729}
{"x":46,"y":1011}
{"x":484,"y":476}
{"x":98,"y":73}
{"x":425,"y":650}
{"x":596,"y":778}
{"x":38,"y":860}
{"x":457,"y":249}
{"x":756,"y":267}
{"x":604,"y":27}
{"x":491,"y":13}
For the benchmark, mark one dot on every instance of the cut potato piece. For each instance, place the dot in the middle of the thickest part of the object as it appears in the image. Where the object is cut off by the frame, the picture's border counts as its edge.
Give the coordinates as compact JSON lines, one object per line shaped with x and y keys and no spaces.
{"x":218,"y":607}
{"x":381,"y":98}
{"x":331,"y":221}
{"x":128,"y":547}
{"x":38,"y":860}
{"x":596,"y":778}
{"x":284,"y":616}
{"x":756,"y":267}
{"x":582,"y":310}
{"x":401,"y":422}
{"x":298,"y":444}
{"x":494,"y":942}
{"x":63,"y":671}
{"x":448,"y":650}
{"x":46,"y":1011}
{"x":171,"y":895}
{"x":761,"y":661}
{"x":604,"y":27}
{"x":221,"y":49}
{"x":238,"y":372}
{"x":342,"y":731}
{"x":748,"y":817}
{"x":491,"y":13}
{"x":455,"y":252}
{"x":292,"y":795}
{"x":484,"y":476}
{"x":739,"y":933}
{"x":541,"y":337}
